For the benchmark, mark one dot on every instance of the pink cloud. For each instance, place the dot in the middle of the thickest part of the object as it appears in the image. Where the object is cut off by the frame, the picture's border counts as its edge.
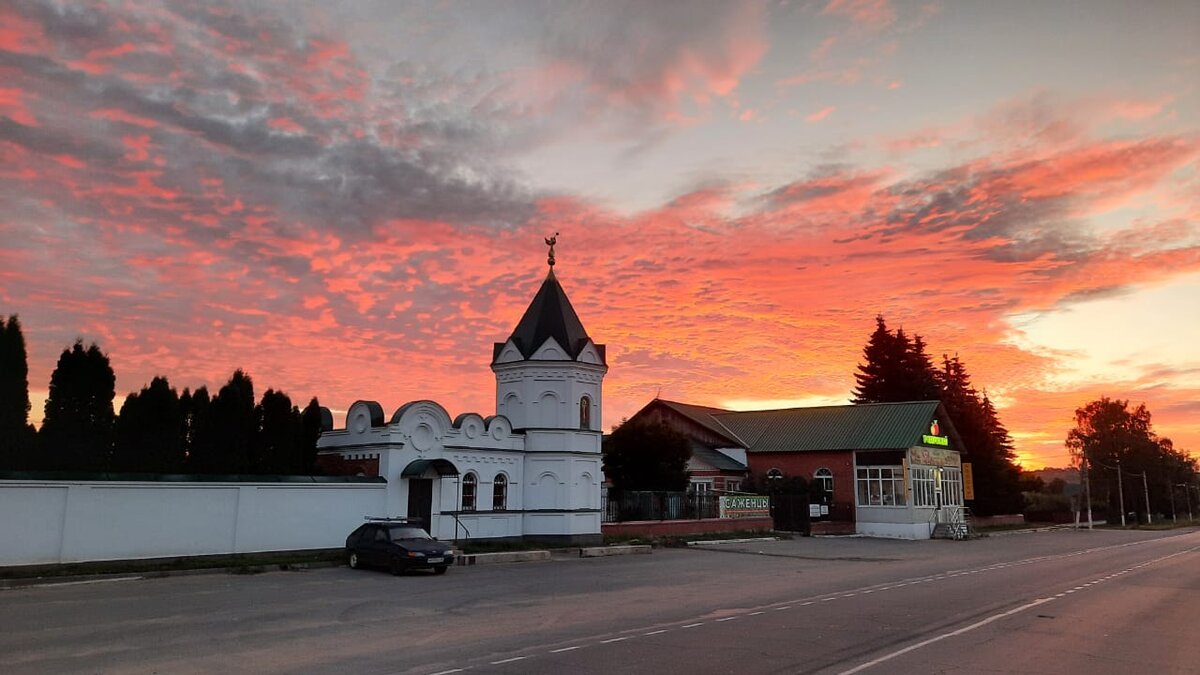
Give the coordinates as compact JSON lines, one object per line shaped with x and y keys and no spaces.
{"x":819,"y":115}
{"x":870,"y":13}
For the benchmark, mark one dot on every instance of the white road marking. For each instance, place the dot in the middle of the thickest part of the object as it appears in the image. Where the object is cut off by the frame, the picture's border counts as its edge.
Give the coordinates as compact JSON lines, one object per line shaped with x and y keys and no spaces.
{"x":656,"y":632}
{"x":616,"y":639}
{"x":754,"y":613}
{"x":728,"y":618}
{"x":565,"y":649}
{"x":943,"y":636}
{"x":780,"y":609}
{"x":515,"y":658}
{"x":447,"y":672}
{"x":693,"y":625}
{"x":85,"y":582}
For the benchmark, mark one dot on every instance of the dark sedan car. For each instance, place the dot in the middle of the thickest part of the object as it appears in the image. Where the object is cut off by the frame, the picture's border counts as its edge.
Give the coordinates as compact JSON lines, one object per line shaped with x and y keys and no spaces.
{"x":397,"y":546}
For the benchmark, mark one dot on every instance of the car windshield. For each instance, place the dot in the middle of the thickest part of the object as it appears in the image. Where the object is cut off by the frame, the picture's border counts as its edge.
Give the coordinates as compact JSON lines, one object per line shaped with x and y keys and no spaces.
{"x":402,"y":533}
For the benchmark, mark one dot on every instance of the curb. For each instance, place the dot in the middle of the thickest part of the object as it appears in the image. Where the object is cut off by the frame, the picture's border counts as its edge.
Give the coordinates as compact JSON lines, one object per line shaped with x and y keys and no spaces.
{"x":604,"y":551}
{"x":731,"y":541}
{"x":504,"y":557}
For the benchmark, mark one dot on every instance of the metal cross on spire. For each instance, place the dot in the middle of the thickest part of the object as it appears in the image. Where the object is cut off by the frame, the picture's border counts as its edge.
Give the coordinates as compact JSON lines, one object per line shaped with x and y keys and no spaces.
{"x":551,"y":241}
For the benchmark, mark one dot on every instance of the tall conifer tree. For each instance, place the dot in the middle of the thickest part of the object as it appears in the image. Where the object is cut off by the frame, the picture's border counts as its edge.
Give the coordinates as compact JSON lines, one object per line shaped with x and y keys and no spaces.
{"x":16,"y":434}
{"x":876,"y":375}
{"x":77,"y":430}
{"x":150,"y":431}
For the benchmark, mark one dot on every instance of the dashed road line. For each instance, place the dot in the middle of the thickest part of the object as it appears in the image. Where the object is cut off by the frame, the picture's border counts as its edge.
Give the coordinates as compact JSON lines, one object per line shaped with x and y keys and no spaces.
{"x":830,"y":598}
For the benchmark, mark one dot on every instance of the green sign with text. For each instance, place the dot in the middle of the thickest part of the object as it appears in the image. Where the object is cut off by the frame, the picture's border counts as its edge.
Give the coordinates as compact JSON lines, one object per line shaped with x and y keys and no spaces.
{"x":745,"y":506}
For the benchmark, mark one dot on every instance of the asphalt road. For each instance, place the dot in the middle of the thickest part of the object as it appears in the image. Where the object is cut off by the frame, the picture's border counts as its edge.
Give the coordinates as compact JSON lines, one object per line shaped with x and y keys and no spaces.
{"x":1051,"y":602}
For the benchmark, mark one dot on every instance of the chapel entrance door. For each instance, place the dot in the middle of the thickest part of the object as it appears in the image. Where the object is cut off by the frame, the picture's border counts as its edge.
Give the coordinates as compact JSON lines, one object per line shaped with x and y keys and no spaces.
{"x":420,"y":502}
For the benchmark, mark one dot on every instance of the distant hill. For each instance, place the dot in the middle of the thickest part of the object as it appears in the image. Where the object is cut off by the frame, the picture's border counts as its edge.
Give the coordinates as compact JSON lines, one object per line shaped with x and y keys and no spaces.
{"x":1069,"y":476}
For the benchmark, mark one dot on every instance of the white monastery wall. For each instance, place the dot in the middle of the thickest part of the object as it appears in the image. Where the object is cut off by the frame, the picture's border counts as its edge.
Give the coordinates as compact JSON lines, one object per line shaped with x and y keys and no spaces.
{"x":81,"y":521}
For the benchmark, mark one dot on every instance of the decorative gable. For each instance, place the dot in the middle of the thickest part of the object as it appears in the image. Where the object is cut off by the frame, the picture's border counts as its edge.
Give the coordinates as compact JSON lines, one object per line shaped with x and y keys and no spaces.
{"x":507,"y":352}
{"x":550,"y":351}
{"x":589,"y":354}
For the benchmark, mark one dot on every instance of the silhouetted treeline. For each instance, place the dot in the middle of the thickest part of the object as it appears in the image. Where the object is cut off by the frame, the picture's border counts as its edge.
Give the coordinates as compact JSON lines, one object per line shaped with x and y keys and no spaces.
{"x":897,"y":368}
{"x":158,"y":429}
{"x":1110,"y":433}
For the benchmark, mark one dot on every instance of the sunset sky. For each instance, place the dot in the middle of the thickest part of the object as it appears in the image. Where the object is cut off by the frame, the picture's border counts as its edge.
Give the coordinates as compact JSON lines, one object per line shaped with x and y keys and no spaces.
{"x":348,"y":199}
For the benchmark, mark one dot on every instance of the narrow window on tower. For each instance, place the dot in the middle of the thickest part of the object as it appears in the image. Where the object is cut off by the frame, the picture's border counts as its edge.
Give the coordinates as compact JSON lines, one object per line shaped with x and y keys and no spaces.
{"x":585,"y":413}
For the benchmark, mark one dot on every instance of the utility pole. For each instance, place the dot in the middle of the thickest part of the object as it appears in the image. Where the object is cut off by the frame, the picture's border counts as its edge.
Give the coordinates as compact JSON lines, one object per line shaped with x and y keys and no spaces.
{"x":1146,"y":491}
{"x":1087,"y":489}
{"x":1120,"y":493}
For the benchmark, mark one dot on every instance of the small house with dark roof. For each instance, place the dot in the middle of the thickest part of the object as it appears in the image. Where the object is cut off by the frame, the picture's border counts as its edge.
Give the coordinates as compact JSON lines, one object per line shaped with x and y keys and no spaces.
{"x":883,"y":469}
{"x":530,"y":471}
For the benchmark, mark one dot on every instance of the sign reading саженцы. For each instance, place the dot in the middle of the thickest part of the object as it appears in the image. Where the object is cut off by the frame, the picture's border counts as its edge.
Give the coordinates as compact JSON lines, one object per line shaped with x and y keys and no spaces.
{"x":745,"y":506}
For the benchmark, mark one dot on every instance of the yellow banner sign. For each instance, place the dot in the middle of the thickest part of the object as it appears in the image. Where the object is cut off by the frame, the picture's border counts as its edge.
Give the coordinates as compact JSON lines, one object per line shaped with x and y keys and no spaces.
{"x":968,"y":476}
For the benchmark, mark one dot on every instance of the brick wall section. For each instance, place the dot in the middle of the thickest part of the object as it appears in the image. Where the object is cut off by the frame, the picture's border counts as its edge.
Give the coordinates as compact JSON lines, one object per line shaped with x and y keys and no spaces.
{"x":672,"y":528}
{"x":805,"y":464}
{"x":333,"y":465}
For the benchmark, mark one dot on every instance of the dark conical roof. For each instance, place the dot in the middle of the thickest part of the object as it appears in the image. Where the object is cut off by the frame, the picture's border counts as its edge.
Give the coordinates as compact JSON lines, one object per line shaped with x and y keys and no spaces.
{"x":550,"y":315}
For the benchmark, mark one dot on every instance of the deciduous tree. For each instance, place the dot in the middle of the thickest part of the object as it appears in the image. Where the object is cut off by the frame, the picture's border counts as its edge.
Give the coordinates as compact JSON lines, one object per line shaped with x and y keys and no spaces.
{"x":646,"y":456}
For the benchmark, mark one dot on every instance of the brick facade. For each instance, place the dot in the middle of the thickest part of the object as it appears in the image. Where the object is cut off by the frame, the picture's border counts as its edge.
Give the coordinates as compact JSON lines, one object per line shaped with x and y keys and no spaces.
{"x":805,"y":464}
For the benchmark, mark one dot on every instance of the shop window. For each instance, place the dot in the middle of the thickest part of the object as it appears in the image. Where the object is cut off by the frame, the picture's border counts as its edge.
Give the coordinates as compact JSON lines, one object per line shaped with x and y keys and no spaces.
{"x":469,"y":487}
{"x":823,"y":483}
{"x":500,"y":493}
{"x":733,"y":485}
{"x":923,"y":487}
{"x":951,"y":479}
{"x":880,"y":486}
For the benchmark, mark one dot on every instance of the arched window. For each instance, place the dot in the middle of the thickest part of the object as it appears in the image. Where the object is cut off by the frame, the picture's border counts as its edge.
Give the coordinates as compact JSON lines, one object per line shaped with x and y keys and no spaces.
{"x":774,"y":474}
{"x":500,"y":493}
{"x":585,"y":413}
{"x":823,"y":482}
{"x":469,"y":485}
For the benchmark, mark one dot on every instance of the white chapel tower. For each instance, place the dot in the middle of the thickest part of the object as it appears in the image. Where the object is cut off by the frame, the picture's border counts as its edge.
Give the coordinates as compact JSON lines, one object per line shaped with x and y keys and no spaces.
{"x":549,"y":374}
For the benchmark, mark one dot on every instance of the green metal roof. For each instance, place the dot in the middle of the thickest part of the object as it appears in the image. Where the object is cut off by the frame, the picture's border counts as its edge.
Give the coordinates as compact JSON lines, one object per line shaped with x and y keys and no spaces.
{"x":870,"y":426}
{"x":715,"y":458}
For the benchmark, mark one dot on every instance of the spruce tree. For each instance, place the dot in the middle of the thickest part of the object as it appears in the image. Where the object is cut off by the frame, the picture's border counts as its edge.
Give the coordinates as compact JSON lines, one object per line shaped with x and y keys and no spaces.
{"x":278,"y":438}
{"x":986,"y":444}
{"x":310,"y":431}
{"x":232,"y":427}
{"x":919,"y":373}
{"x":16,"y":434}
{"x":77,"y":431}
{"x":150,"y":431}
{"x":875,"y":376}
{"x":198,"y":443}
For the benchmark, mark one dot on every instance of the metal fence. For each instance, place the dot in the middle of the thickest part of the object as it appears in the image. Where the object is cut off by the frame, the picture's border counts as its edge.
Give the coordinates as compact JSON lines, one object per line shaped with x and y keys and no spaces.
{"x":637,"y":505}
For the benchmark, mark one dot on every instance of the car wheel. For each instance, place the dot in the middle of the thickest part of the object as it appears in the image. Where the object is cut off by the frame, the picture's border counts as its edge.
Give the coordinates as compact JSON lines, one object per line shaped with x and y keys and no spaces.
{"x":396,"y":567}
{"x":440,"y":569}
{"x":353,"y":561}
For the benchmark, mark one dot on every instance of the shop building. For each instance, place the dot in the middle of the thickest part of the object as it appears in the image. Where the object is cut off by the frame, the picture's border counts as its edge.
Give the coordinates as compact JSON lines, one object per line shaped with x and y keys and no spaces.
{"x":884,"y":469}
